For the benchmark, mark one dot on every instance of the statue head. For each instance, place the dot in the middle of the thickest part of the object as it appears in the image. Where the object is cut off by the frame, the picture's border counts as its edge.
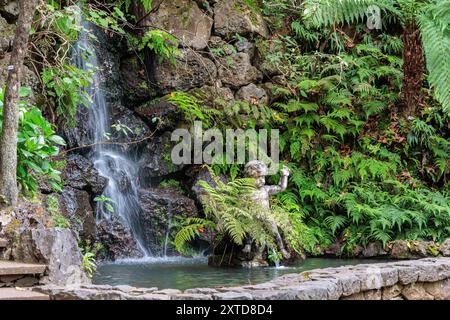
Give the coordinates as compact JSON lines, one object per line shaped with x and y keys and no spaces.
{"x":257,"y":170}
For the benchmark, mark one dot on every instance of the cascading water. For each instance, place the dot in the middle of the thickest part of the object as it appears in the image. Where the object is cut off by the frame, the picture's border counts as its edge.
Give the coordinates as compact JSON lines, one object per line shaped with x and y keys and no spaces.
{"x":122,"y":190}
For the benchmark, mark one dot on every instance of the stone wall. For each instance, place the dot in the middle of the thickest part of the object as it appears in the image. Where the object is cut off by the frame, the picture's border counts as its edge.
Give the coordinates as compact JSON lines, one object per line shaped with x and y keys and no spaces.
{"x":426,"y":279}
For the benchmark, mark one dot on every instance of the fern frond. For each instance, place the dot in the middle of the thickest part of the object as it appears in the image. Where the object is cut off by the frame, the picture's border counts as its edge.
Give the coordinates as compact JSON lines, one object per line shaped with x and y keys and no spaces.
{"x":435,"y":33}
{"x":330,"y":12}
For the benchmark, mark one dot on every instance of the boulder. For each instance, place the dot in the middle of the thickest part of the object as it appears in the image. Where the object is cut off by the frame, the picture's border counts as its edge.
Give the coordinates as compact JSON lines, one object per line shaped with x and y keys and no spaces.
{"x":31,"y":240}
{"x":214,"y":97}
{"x":203,"y":174}
{"x":58,"y":249}
{"x":184,"y":20}
{"x":79,"y":173}
{"x":237,"y":71}
{"x":235,"y":16}
{"x":400,"y":250}
{"x":190,"y":71}
{"x":270,"y":89}
{"x":373,"y":249}
{"x":76,"y":206}
{"x":155,"y":160}
{"x":117,"y":240}
{"x":9,"y":9}
{"x":444,"y":248}
{"x":413,"y":249}
{"x":252,"y":94}
{"x":159,"y":207}
{"x":243,"y":45}
{"x":7,"y":31}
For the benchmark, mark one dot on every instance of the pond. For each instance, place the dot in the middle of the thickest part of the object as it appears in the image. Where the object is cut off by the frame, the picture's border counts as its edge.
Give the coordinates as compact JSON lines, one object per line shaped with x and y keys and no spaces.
{"x":183,"y":273}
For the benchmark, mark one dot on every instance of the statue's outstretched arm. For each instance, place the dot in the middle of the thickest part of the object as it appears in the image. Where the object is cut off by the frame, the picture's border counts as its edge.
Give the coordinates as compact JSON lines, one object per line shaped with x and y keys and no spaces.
{"x":283,"y":182}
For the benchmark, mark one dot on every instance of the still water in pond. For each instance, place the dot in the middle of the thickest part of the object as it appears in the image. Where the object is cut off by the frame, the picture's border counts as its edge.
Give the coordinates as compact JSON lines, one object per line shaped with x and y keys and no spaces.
{"x":179,"y":273}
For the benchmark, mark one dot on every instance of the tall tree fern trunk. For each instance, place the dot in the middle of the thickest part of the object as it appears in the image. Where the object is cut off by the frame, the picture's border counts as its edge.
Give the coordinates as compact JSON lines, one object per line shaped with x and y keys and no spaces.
{"x":8,"y":147}
{"x":413,"y":69}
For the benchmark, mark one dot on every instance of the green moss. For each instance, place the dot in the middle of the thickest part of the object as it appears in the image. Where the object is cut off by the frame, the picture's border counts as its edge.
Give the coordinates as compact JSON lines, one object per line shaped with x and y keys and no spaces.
{"x":433,"y":250}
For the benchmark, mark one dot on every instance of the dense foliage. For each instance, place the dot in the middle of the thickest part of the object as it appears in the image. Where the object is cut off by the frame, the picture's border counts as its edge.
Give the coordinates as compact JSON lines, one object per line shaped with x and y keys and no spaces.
{"x":37,"y":144}
{"x":363,"y":170}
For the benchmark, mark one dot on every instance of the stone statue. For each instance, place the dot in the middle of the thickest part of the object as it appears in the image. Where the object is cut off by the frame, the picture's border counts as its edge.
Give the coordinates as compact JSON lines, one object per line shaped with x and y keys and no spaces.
{"x":258,"y":170}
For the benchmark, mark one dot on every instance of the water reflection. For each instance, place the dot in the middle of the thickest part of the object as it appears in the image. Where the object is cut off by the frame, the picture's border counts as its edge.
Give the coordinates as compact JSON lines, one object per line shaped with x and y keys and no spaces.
{"x":179,"y":273}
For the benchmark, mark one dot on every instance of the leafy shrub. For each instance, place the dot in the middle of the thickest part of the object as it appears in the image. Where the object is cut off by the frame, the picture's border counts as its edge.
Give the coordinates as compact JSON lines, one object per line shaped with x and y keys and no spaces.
{"x":162,"y":43}
{"x":36,"y":145}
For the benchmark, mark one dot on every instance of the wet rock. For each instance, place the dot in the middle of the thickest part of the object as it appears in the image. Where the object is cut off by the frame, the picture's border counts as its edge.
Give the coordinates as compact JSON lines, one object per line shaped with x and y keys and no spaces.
{"x":252,"y":94}
{"x":159,"y":206}
{"x":155,"y":159}
{"x":184,"y":20}
{"x":214,"y":97}
{"x":191,"y":70}
{"x":117,"y":240}
{"x":237,"y":71}
{"x":234,"y":16}
{"x":80,"y":173}
{"x":374,"y":249}
{"x":135,"y":80}
{"x":159,"y":113}
{"x":124,"y":119}
{"x":109,"y":77}
{"x":76,"y":206}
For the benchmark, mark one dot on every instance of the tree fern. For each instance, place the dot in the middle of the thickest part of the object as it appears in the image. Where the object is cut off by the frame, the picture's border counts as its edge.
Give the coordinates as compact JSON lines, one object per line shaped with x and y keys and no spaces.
{"x":435,"y":33}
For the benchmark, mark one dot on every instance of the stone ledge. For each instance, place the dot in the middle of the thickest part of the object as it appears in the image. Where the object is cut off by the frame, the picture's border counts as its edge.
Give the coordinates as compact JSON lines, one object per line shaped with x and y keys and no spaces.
{"x":413,"y":280}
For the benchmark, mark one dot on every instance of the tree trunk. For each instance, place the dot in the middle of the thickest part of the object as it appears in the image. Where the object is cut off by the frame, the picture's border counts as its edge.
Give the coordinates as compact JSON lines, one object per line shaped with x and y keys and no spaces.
{"x":8,"y":147}
{"x":413,"y":69}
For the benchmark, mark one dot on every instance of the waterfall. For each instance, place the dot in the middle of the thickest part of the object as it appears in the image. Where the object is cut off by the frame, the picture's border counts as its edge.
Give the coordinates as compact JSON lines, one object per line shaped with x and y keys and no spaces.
{"x":121,"y":192}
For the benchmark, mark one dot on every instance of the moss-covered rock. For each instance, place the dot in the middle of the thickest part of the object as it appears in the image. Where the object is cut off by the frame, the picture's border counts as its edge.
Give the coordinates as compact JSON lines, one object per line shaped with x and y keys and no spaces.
{"x":238,"y":17}
{"x":184,"y":20}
